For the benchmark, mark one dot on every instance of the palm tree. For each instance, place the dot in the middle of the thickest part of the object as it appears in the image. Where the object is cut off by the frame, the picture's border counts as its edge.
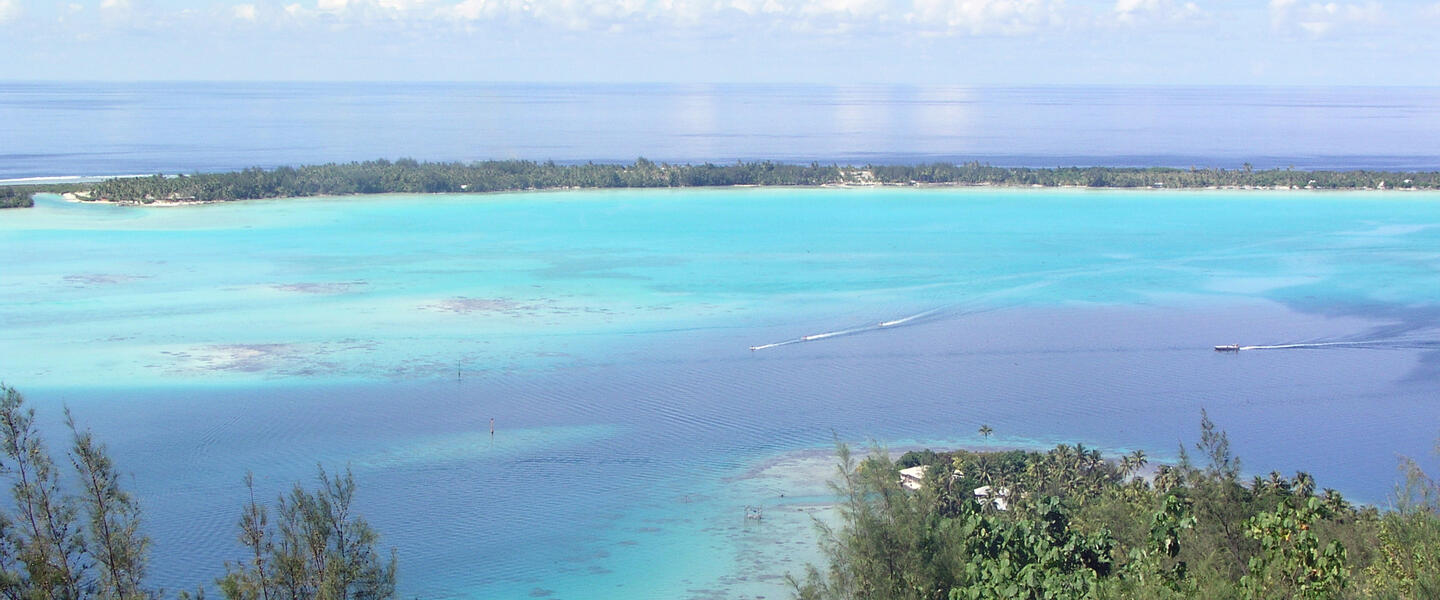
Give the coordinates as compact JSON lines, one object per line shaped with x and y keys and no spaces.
{"x":1085,"y":459}
{"x":1278,"y":483}
{"x":1131,"y":463}
{"x":1167,"y":478}
{"x":985,"y":430}
{"x":1064,"y":457}
{"x":985,"y":472}
{"x":1335,"y":502}
{"x":1304,"y":484}
{"x":1138,"y":457}
{"x":1127,"y":466}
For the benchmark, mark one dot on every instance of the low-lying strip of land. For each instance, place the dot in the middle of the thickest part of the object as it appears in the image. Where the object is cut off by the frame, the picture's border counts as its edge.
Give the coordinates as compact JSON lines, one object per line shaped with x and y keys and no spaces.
{"x":410,"y":176}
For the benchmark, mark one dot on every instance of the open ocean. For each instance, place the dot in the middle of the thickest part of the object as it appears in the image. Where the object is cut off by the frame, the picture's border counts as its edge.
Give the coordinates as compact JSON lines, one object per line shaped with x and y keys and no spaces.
{"x":67,"y":129}
{"x":608,"y":333}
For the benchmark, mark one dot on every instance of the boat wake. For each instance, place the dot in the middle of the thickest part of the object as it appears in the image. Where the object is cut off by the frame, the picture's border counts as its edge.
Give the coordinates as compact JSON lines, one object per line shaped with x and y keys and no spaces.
{"x":1371,"y":344}
{"x":1303,"y":345}
{"x":910,"y":320}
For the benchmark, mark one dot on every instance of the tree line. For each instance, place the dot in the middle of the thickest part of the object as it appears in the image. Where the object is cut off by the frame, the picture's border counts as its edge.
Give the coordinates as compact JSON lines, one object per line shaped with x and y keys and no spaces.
{"x":83,"y":540}
{"x":411,"y":176}
{"x":12,"y":197}
{"x":1075,"y":525}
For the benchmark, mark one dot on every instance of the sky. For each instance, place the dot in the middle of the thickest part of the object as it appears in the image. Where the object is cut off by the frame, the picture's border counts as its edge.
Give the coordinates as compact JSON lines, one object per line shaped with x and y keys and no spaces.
{"x":979,"y":42}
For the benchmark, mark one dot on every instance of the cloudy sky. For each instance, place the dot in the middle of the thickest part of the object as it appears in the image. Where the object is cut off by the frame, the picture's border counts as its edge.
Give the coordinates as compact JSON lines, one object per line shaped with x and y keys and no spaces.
{"x":1352,"y":42}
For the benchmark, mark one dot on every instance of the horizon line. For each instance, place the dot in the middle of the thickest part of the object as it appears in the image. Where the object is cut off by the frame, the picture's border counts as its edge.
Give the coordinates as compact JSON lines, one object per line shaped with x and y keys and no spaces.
{"x":641,"y":82}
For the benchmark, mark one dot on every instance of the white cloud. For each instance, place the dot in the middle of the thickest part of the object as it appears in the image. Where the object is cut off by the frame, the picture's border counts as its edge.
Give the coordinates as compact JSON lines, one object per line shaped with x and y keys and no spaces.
{"x":10,"y":10}
{"x":114,"y":5}
{"x":400,"y":5}
{"x":852,"y":8}
{"x":244,"y":12}
{"x":1132,"y":12}
{"x":471,"y":10}
{"x":983,"y":17}
{"x":752,"y":7}
{"x":1319,"y":19}
{"x":341,"y":13}
{"x":727,"y":18}
{"x":1126,"y":7}
{"x":834,"y":16}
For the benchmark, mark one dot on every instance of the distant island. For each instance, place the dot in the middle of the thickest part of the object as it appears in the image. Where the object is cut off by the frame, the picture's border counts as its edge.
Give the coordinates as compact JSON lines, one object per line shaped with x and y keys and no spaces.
{"x":411,"y":176}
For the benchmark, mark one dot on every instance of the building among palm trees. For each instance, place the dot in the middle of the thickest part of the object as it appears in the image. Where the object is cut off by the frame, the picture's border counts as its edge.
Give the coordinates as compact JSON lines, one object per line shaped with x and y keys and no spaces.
{"x":997,"y":498}
{"x":913,"y":477}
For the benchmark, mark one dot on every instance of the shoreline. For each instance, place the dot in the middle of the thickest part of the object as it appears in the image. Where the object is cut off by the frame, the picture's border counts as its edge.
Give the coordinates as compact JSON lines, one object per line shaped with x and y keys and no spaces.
{"x":407,"y":176}
{"x":792,"y":491}
{"x":74,"y":197}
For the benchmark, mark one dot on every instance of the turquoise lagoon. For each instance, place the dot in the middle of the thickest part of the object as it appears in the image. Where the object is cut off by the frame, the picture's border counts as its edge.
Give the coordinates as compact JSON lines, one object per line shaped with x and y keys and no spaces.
{"x":608,"y":333}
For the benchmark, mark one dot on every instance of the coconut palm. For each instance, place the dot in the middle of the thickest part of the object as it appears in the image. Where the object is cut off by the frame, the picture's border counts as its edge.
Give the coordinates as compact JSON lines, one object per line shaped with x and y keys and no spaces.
{"x":985,"y":430}
{"x":1138,"y":457}
{"x":1167,"y":478}
{"x":1304,"y":484}
{"x":1064,"y":456}
{"x":1277,"y":483}
{"x":1335,"y":502}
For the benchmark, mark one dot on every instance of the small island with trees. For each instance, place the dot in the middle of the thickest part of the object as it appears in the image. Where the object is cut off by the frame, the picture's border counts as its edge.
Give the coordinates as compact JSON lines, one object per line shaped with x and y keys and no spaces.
{"x":415,"y":177}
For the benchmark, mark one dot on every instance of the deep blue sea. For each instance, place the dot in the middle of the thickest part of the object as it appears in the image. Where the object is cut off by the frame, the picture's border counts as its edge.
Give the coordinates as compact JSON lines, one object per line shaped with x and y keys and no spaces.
{"x":67,"y":129}
{"x":609,"y":334}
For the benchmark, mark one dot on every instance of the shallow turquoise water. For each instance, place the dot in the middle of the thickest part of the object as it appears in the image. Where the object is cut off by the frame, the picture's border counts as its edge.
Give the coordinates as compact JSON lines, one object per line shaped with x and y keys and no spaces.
{"x":396,"y":287}
{"x":608,"y":334}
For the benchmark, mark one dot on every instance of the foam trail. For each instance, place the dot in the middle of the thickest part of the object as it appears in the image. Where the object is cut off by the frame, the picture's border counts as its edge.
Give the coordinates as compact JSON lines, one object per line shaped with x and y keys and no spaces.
{"x":774,"y":345}
{"x":1313,"y":345}
{"x":829,"y":334}
{"x":854,"y":330}
{"x":976,"y":304}
{"x":908,"y":319}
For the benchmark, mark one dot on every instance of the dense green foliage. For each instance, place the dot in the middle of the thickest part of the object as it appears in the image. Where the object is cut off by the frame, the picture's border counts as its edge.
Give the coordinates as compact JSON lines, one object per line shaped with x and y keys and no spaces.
{"x":83,"y":541}
{"x":11,"y":197}
{"x":1154,"y":177}
{"x":1077,"y":526}
{"x":409,"y":176}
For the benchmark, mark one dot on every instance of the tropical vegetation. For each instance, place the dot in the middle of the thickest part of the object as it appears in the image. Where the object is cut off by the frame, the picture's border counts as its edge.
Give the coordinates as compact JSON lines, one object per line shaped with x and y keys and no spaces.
{"x":1069,"y":523}
{"x":411,"y":176}
{"x":82,"y":540}
{"x":11,"y":197}
{"x":1074,"y":524}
